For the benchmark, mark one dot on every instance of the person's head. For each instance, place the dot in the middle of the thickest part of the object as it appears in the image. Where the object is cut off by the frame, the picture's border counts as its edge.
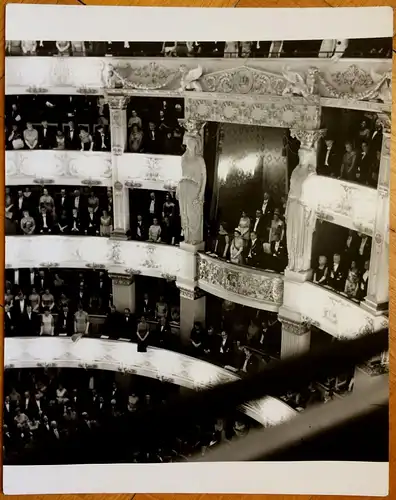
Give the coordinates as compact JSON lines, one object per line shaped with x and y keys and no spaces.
{"x":29,"y":126}
{"x":37,"y":396}
{"x":42,"y":273}
{"x":210,"y":330}
{"x":329,"y":142}
{"x":197,"y":325}
{"x":127,"y":311}
{"x":90,"y":210}
{"x":14,"y":127}
{"x":54,"y":425}
{"x":143,"y":319}
{"x":47,"y":291}
{"x":134,"y":114}
{"x":378,"y":125}
{"x":237,"y":233}
{"x":336,"y":258}
{"x":224,"y":334}
{"x":354,"y":265}
{"x":100,"y":129}
{"x":113,"y":309}
{"x":26,"y":394}
{"x":44,"y":123}
{"x":59,"y":133}
{"x":151,"y":126}
{"x":161,"y":114}
{"x":147,"y":397}
{"x":266,"y":195}
{"x":178,"y":107}
{"x":45,"y":192}
{"x":46,"y":312}
{"x":253,"y":236}
{"x":135,"y":128}
{"x":14,"y":106}
{"x":360,"y":234}
{"x":169,"y":135}
{"x":366,"y":265}
{"x":25,"y":213}
{"x":276,"y":213}
{"x":75,"y":212}
{"x":104,"y":213}
{"x":71,"y":125}
{"x":66,"y":308}
{"x":155,"y":221}
{"x":258,"y":214}
{"x":161,"y":298}
{"x":139,"y":218}
{"x":28,"y":308}
{"x":365,"y":147}
{"x":348,"y":147}
{"x":76,"y":192}
{"x":83,"y":133}
{"x":80,"y":307}
{"x":243,"y":214}
{"x":152,"y":195}
{"x":146,"y":296}
{"x":322,"y":260}
{"x":363,"y":124}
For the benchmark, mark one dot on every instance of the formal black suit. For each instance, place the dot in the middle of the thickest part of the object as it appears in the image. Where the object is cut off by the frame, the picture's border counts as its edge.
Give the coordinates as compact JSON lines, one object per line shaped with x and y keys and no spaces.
{"x":260,"y":48}
{"x":49,"y":223}
{"x":146,"y":308}
{"x":140,"y":231}
{"x":42,"y":283}
{"x":46,"y":137}
{"x":127,"y":327}
{"x":65,"y":323}
{"x":101,"y":142}
{"x":72,"y":140}
{"x":75,"y":226}
{"x":279,"y":256}
{"x":363,"y":167}
{"x":152,"y":141}
{"x":255,"y":254}
{"x":29,"y":324}
{"x":328,"y":164}
{"x":91,"y":224}
{"x":376,"y":141}
{"x":21,"y":204}
{"x":27,"y":280}
{"x":62,"y":203}
{"x":261,"y":228}
{"x":363,"y":253}
{"x":268,"y":210}
{"x":111,"y":326}
{"x":351,"y":248}
{"x":19,"y":307}
{"x":336,"y":277}
{"x":162,"y":335}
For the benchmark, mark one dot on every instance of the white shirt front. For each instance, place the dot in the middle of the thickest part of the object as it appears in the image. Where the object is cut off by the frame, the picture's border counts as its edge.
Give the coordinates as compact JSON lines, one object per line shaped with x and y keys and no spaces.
{"x":16,"y":276}
{"x":264,"y":206}
{"x":152,"y":206}
{"x":32,"y":276}
{"x":45,"y":221}
{"x":362,"y":245}
{"x":327,"y":156}
{"x":256,"y":224}
{"x":20,"y":202}
{"x":103,"y":141}
{"x":22,"y":304}
{"x":76,"y":202}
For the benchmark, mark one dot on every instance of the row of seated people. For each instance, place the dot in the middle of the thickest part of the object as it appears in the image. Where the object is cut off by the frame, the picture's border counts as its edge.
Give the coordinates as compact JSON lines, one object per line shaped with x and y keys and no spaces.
{"x":157,"y":222}
{"x":381,"y":47}
{"x":44,"y":415}
{"x":258,"y":242}
{"x":359,"y":161}
{"x":58,"y":137}
{"x":70,"y":213}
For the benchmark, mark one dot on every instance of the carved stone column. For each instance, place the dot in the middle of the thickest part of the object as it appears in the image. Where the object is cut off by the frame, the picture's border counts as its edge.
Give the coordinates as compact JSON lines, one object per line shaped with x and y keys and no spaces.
{"x":119,"y":130}
{"x":123,"y":287}
{"x":192,"y":308}
{"x":377,"y":299}
{"x":296,"y":337}
{"x":301,"y":217}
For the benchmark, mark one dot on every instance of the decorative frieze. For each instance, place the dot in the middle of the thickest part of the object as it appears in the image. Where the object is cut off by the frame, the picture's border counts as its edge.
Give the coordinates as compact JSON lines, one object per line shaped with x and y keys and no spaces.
{"x":243,"y":285}
{"x":308,"y":138}
{"x":293,"y":327}
{"x":58,"y":167}
{"x":189,"y":294}
{"x":123,"y":357}
{"x":121,"y":279}
{"x":102,"y":253}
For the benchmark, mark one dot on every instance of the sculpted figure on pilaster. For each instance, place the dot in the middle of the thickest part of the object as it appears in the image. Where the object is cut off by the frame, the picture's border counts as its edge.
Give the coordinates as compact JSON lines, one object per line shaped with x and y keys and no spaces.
{"x":191,"y":188}
{"x":300,"y":218}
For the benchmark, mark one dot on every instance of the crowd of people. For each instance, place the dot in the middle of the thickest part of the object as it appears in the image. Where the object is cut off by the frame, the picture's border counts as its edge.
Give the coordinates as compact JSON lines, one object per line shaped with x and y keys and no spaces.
{"x":46,"y":411}
{"x":355,"y":160}
{"x":153,"y":126}
{"x":53,"y":302}
{"x":347,"y":270}
{"x":57,"y":122}
{"x":63,"y":211}
{"x":378,"y":47}
{"x":155,"y":217}
{"x":258,"y":241}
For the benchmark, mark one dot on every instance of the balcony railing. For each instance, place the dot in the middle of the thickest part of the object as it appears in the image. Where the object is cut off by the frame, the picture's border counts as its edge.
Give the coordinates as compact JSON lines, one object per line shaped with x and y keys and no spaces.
{"x":118,"y":356}
{"x":58,"y":167}
{"x":241,"y":284}
{"x":335,"y":314}
{"x":343,"y":203}
{"x":124,"y":257}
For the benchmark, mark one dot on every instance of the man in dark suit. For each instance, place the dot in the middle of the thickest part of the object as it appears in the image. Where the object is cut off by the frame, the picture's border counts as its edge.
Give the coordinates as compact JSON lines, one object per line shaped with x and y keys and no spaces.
{"x":250,"y":363}
{"x":72,"y":140}
{"x":146,"y":307}
{"x":8,"y":410}
{"x":351,"y":247}
{"x":376,"y":138}
{"x":111,"y":326}
{"x":19,"y":306}
{"x":162,"y":333}
{"x":255,"y":252}
{"x":336,"y":277}
{"x":139,"y":230}
{"x":329,"y":159}
{"x":101,"y":139}
{"x":91,"y":223}
{"x":224,"y":348}
{"x":152,"y":139}
{"x":75,"y":223}
{"x":46,"y":135}
{"x":37,"y":407}
{"x":259,"y":226}
{"x":267,"y":207}
{"x":127,"y":325}
{"x":28,"y":323}
{"x":45,"y":223}
{"x":363,"y":164}
{"x":278,"y":254}
{"x":65,"y":322}
{"x":260,"y":48}
{"x":21,"y":204}
{"x":27,"y":278}
{"x":364,"y":248}
{"x":43,"y":281}
{"x":62,"y":202}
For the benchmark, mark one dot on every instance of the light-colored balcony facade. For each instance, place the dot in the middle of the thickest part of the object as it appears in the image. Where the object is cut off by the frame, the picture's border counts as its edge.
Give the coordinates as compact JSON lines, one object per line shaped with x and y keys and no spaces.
{"x":262,"y":94}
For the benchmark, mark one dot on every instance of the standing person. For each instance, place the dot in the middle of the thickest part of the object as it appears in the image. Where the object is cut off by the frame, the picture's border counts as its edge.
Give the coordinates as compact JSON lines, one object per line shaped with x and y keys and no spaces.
{"x":237,"y":247}
{"x":142,"y":334}
{"x":106,"y":226}
{"x":81,"y":322}
{"x":30,"y":136}
{"x":348,"y":166}
{"x":222,"y":244}
{"x":47,"y":323}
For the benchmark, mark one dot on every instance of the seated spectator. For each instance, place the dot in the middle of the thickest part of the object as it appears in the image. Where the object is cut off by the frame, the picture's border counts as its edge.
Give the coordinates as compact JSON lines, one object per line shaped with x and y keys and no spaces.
{"x":254,"y":252}
{"x":72,"y":140}
{"x":277,"y":226}
{"x":86,"y":142}
{"x":363,"y":283}
{"x":152,"y":142}
{"x":93,"y":201}
{"x":197,"y":338}
{"x":46,"y":136}
{"x":14,"y":140}
{"x":336,"y":275}
{"x":348,"y":165}
{"x":244,"y":227}
{"x":139,"y":231}
{"x":62,"y":224}
{"x":30,"y":136}
{"x":279,"y":254}
{"x":321,"y":272}
{"x":112,"y":322}
{"x":81,"y":321}
{"x":102,"y":140}
{"x":65,"y":322}
{"x":168,"y":235}
{"x":155,"y":232}
{"x":45,"y":222}
{"x":168,"y":209}
{"x":163,"y":332}
{"x":135,"y":120}
{"x":135,"y":140}
{"x":224,"y":348}
{"x":28,"y":224}
{"x":60,"y":140}
{"x":47,"y":323}
{"x":75,"y":225}
{"x":363,"y":164}
{"x":47,"y":202}
{"x":106,"y":225}
{"x":47,"y":300}
{"x":35,"y":300}
{"x":352,"y":281}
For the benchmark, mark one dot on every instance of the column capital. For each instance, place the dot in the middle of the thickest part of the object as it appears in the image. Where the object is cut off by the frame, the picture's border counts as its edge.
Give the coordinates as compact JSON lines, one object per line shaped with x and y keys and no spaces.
{"x":191,"y":294}
{"x":121,"y":279}
{"x":192,"y":127}
{"x":308,"y":138}
{"x":117,"y":102}
{"x":294,"y":327}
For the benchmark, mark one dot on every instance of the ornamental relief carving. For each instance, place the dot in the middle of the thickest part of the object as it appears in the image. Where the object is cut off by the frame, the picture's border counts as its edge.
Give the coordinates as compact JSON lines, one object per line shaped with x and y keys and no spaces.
{"x":240,"y":281}
{"x":24,"y":166}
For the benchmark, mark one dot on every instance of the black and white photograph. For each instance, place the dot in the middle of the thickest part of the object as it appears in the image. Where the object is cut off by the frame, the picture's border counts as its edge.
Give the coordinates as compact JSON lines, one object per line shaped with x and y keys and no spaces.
{"x":196,"y":250}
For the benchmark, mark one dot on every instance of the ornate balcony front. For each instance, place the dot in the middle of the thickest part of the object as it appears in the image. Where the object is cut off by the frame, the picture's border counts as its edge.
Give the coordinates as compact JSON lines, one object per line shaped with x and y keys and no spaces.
{"x":335,"y":314}
{"x":58,"y":167}
{"x":153,"y":172}
{"x":118,"y":356}
{"x":343,"y":203}
{"x":123,"y":257}
{"x":243,"y":285}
